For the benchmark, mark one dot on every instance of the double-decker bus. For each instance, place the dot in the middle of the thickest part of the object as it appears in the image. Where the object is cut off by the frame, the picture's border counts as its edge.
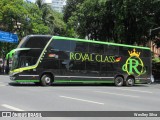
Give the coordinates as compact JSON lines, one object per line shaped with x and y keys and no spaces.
{"x":53,"y":59}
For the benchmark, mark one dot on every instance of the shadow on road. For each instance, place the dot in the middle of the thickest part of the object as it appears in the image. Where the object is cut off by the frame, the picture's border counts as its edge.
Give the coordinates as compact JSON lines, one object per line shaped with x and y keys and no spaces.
{"x":14,"y":84}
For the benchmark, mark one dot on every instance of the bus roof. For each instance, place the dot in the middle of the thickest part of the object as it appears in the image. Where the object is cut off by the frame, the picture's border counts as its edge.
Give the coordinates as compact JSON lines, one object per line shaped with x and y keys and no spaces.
{"x":99,"y":42}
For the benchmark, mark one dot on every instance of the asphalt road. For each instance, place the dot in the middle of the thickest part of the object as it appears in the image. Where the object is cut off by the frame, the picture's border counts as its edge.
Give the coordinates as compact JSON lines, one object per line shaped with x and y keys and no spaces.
{"x":78,"y":97}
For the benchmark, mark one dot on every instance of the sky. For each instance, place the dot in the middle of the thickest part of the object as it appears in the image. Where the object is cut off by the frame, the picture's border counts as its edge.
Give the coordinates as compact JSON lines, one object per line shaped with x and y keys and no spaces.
{"x":31,"y":0}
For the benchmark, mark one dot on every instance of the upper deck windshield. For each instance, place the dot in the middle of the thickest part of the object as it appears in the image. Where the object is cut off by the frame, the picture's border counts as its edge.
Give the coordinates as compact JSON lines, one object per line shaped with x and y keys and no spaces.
{"x":34,"y":41}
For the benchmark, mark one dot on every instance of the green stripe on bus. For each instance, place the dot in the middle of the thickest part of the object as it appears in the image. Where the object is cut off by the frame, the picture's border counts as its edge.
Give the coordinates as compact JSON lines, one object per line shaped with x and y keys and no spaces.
{"x":99,"y":42}
{"x":27,"y":80}
{"x":9,"y":55}
{"x":140,"y":82}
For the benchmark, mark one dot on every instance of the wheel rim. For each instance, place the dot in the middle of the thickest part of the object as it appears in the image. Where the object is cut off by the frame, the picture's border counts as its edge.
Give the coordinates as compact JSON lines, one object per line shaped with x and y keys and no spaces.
{"x":130,"y":81}
{"x":119,"y":81}
{"x":47,"y":80}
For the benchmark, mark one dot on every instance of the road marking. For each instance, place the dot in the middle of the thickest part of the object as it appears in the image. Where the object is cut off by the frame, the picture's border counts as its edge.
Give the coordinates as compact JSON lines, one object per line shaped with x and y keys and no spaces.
{"x":5,"y":76}
{"x":135,"y":90}
{"x":82,"y":100}
{"x":11,"y":107}
{"x":116,"y":94}
{"x":2,"y":84}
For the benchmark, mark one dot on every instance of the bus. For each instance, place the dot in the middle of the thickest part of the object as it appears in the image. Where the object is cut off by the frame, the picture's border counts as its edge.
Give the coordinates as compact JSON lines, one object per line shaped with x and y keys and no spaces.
{"x":46,"y":59}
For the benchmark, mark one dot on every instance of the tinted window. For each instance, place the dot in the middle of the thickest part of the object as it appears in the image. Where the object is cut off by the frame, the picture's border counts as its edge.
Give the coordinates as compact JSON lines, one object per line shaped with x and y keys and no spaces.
{"x":103,"y":67}
{"x":81,"y":47}
{"x":60,"y":45}
{"x":112,"y":50}
{"x":35,"y":41}
{"x":96,"y":48}
{"x":138,"y":51}
{"x":49,"y":64}
{"x":123,"y":51}
{"x":61,"y":55}
{"x":146,"y":53}
{"x":93,"y":66}
{"x":25,"y":58}
{"x":77,"y":65}
{"x":111,"y":66}
{"x":72,"y":45}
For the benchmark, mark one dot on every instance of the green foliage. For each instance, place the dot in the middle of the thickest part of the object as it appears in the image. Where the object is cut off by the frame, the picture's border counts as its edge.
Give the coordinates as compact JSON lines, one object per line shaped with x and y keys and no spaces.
{"x":59,"y":27}
{"x":122,"y":21}
{"x":156,"y":60}
{"x":51,"y":18}
{"x":23,"y":18}
{"x":12,"y":12}
{"x":70,"y":7}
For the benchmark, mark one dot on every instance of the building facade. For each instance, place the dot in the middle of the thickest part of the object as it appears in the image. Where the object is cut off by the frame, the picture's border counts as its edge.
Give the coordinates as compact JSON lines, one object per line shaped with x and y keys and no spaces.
{"x":154,"y":49}
{"x":58,"y":5}
{"x":55,"y":4}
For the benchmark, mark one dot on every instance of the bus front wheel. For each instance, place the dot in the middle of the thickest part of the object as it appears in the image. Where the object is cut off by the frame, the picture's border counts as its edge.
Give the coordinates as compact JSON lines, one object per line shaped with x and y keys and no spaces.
{"x":46,"y":80}
{"x":119,"y":81}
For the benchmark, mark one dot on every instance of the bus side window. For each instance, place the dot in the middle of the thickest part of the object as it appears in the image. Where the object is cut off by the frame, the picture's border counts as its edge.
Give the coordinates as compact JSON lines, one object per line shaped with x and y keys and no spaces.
{"x":60,"y":45}
{"x":146,"y":53}
{"x":111,"y":67}
{"x":93,"y":66}
{"x":112,"y":50}
{"x":96,"y":48}
{"x":72,"y":45}
{"x":81,"y":47}
{"x":77,"y":65}
{"x":123,"y":51}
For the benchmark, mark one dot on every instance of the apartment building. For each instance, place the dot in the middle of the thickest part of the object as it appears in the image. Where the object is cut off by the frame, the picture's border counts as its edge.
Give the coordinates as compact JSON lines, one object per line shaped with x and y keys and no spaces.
{"x":154,"y":49}
{"x":58,"y":5}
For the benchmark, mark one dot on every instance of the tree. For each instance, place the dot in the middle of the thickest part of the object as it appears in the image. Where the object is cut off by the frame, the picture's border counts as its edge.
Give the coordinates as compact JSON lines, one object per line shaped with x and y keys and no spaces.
{"x":133,"y":19}
{"x":122,"y":21}
{"x":12,"y":13}
{"x":33,"y":22}
{"x":51,"y":18}
{"x":70,"y":7}
{"x":90,"y":20}
{"x":22,"y":18}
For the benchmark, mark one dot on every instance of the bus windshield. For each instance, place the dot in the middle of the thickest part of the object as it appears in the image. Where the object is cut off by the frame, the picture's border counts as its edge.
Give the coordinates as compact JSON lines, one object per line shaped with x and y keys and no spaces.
{"x":25,"y":58}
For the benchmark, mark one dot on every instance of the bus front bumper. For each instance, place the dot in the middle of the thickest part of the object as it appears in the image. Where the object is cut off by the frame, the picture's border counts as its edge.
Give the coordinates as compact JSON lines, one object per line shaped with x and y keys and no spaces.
{"x":13,"y":76}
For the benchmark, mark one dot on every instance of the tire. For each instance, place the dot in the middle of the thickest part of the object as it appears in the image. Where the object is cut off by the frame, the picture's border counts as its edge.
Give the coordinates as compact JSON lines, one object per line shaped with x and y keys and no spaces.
{"x":119,"y":81}
{"x":130,"y":82}
{"x":46,"y":80}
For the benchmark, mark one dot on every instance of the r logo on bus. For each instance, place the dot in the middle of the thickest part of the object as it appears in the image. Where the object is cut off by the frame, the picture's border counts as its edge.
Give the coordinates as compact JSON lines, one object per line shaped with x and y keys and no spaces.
{"x":134,"y":65}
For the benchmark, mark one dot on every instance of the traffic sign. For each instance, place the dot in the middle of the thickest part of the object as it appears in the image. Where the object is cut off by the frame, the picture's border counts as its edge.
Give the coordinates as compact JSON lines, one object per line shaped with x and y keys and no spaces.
{"x":8,"y":37}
